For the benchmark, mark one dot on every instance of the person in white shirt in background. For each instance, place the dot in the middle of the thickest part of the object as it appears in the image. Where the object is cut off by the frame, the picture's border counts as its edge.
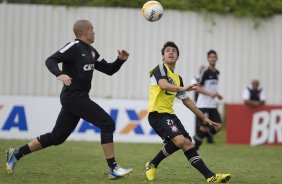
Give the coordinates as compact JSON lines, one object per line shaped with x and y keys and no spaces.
{"x":253,"y":95}
{"x":206,"y":100}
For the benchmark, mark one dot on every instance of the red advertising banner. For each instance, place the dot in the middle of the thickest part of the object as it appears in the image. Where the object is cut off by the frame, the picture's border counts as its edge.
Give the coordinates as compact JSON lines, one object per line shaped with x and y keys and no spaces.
{"x":254,"y":126}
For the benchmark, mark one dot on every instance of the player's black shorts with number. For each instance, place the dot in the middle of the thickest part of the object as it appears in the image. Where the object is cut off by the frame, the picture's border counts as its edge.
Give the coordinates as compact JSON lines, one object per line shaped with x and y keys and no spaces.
{"x":167,"y":126}
{"x":213,"y":115}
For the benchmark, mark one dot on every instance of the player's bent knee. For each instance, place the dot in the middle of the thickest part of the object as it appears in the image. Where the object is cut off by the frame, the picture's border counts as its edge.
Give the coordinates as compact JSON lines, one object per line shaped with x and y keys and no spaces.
{"x":204,"y":128}
{"x":108,"y":126}
{"x":59,"y":141}
{"x":187,"y":136}
{"x":106,"y":137}
{"x":179,"y":141}
{"x":188,"y":143}
{"x":107,"y":132}
{"x":51,"y":139}
{"x":59,"y":138}
{"x":45,"y":140}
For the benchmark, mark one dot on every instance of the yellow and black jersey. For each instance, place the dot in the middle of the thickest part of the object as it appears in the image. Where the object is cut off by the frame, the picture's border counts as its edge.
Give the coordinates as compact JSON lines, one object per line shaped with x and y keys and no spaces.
{"x":161,"y":101}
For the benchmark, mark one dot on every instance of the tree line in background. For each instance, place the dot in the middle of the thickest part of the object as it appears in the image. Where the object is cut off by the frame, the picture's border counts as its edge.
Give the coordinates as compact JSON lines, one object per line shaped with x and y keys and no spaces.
{"x":239,"y":8}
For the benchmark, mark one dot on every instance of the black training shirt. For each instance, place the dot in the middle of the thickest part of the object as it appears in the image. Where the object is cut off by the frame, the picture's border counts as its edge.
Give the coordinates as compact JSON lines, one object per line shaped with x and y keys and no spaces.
{"x":79,"y":60}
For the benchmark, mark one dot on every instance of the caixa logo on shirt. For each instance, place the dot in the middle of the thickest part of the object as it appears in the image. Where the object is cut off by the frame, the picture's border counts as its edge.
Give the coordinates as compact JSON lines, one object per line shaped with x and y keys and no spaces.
{"x":88,"y":67}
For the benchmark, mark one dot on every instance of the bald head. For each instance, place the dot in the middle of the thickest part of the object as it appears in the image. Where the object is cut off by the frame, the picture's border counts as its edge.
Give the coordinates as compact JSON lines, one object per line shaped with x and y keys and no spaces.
{"x":83,"y":30}
{"x":80,"y":27}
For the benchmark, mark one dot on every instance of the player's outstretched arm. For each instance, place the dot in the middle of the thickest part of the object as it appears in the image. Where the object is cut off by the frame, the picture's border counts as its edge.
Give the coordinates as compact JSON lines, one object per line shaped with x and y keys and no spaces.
{"x":192,"y":106}
{"x":203,"y":91}
{"x":112,"y":68}
{"x":192,"y":87}
{"x":165,"y":85}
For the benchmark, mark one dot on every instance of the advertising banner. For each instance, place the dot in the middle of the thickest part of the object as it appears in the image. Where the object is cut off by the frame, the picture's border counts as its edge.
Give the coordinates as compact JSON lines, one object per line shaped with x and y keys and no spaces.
{"x":23,"y":117}
{"x":254,"y":126}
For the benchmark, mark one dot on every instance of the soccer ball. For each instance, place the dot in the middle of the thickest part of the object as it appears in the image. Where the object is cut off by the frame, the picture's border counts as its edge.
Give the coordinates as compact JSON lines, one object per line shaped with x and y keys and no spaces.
{"x":152,"y":11}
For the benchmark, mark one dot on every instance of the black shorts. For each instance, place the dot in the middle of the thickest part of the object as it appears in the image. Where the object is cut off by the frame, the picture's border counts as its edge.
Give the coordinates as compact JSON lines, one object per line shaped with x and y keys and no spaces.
{"x":167,"y":126}
{"x":86,"y":109}
{"x":213,"y":115}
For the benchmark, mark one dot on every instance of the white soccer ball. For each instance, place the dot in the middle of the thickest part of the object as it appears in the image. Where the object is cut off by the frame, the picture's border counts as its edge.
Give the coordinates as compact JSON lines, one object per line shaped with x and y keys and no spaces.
{"x":152,"y":11}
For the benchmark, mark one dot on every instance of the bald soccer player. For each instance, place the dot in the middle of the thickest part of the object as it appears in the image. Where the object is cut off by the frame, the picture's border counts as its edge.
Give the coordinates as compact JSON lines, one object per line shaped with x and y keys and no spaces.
{"x":79,"y":60}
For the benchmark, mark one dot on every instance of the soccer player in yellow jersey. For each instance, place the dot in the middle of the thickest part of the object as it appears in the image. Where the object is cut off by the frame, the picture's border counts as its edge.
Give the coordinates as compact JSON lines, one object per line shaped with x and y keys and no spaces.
{"x":164,"y":87}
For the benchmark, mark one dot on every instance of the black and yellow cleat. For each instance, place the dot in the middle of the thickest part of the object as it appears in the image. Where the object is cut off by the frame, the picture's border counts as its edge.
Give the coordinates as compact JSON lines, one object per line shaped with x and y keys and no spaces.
{"x":150,"y":171}
{"x":219,"y":178}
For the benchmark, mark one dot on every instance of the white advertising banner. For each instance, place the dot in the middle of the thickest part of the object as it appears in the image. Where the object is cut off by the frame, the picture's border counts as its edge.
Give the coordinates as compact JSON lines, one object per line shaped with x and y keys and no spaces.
{"x":24,"y":117}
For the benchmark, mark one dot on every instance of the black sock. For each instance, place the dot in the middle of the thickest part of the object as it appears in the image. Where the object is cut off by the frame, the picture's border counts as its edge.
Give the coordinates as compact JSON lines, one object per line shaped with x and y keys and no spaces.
{"x":197,"y":162}
{"x":112,"y":162}
{"x":209,"y":136}
{"x":197,"y":142}
{"x":24,"y":150}
{"x":198,"y":138}
{"x":167,"y":150}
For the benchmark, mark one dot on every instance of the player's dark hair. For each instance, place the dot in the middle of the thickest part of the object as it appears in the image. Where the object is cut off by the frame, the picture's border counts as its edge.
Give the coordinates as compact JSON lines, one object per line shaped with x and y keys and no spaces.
{"x":170,"y":44}
{"x":212,"y":52}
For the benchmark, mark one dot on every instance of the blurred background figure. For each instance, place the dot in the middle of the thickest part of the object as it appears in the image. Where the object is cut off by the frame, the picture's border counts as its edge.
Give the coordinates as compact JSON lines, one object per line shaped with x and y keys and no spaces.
{"x":206,"y":100}
{"x":196,"y":79}
{"x":253,"y":94}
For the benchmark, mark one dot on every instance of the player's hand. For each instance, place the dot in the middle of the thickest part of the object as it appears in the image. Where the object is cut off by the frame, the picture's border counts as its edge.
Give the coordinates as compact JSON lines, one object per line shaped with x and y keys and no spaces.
{"x":123,"y":54}
{"x":211,"y":123}
{"x":213,"y":95}
{"x":192,"y":87}
{"x":219,"y":96}
{"x":65,"y":79}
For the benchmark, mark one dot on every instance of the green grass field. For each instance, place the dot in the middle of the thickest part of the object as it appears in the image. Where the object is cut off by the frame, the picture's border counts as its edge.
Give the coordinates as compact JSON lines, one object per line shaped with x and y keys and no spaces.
{"x":83,"y":162}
